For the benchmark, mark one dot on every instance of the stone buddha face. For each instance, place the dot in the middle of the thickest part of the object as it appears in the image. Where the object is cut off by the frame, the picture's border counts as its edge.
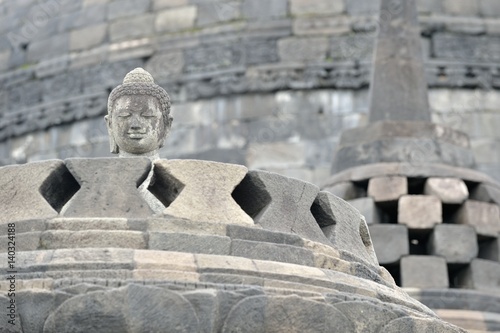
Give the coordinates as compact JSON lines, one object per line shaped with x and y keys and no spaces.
{"x":138,"y":117}
{"x":136,"y":124}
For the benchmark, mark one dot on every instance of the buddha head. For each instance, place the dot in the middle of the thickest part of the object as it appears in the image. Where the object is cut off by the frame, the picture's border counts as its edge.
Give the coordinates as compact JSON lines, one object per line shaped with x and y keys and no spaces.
{"x":138,"y":117}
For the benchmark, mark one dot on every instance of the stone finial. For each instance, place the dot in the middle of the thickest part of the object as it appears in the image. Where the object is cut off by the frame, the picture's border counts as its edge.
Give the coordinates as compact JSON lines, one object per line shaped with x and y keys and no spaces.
{"x":399,"y":86}
{"x":138,"y":117}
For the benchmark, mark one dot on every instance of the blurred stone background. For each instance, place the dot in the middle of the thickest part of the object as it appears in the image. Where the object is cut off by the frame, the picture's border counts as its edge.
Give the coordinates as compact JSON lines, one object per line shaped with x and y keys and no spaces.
{"x":266,"y":83}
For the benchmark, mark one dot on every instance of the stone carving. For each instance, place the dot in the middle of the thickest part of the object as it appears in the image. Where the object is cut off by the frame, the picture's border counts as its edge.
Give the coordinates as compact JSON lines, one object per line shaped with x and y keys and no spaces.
{"x":138,"y":117}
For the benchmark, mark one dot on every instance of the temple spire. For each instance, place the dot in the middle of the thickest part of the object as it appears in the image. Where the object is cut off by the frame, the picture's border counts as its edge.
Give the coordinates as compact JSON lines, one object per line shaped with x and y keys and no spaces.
{"x":399,"y":87}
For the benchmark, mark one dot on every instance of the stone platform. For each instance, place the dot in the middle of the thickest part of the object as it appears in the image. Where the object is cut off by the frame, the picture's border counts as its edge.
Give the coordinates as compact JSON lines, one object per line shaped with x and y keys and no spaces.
{"x":232,"y":251}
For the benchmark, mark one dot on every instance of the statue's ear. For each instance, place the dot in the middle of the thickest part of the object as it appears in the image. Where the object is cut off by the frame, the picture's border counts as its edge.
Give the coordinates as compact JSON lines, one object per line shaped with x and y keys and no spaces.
{"x":113,"y":147}
{"x":168,"y":126}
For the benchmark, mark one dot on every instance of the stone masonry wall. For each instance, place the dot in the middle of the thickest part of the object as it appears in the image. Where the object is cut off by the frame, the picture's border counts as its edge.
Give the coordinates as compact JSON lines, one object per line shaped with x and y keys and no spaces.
{"x":268,"y":84}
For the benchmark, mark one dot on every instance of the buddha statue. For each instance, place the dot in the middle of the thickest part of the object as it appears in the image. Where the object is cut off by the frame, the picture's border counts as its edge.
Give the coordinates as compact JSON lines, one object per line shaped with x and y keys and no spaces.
{"x":138,"y":117}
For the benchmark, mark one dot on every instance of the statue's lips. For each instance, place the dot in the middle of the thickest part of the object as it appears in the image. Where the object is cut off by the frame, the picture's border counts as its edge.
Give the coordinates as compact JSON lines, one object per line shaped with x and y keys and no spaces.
{"x":136,"y":136}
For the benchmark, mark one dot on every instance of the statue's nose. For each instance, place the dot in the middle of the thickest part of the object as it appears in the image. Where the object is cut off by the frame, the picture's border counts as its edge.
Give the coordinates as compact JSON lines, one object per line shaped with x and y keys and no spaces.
{"x":135,"y":124}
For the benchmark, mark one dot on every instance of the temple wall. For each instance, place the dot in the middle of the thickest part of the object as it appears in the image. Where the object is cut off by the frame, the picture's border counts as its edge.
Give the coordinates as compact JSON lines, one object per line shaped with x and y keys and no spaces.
{"x":268,"y":84}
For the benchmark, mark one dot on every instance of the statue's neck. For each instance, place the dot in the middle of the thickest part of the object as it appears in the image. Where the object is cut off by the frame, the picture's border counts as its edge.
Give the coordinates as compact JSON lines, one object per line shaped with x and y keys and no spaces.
{"x":152,"y":155}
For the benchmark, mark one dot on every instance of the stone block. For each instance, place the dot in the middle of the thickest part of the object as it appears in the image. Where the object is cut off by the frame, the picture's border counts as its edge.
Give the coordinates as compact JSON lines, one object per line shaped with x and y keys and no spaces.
{"x":28,"y":241}
{"x":461,"y":7}
{"x":361,"y":7}
{"x":92,"y":15}
{"x":214,"y":12}
{"x":391,"y":242}
{"x":367,"y":208}
{"x":281,"y":204}
{"x":165,"y":65}
{"x":176,"y":19}
{"x":161,"y":4}
{"x":122,"y":8}
{"x":131,"y":27}
{"x":459,"y":46}
{"x":263,"y":9}
{"x":259,"y":235}
{"x":486,"y":193}
{"x":481,"y":275}
{"x":456,"y":243}
{"x":352,"y":47}
{"x":303,"y":49}
{"x":276,"y":155}
{"x":214,"y":57}
{"x":273,"y":252}
{"x":200,"y":190}
{"x":4,"y":59}
{"x":430,"y":6}
{"x":448,"y":190}
{"x":181,"y":242}
{"x":484,"y":217}
{"x":63,"y":239}
{"x":489,"y":8}
{"x":388,"y":188}
{"x":344,"y":226}
{"x":35,"y":190}
{"x":490,"y":249}
{"x":424,"y":272}
{"x":420,"y":212}
{"x":108,"y":187}
{"x":321,"y":25}
{"x":345,"y":190}
{"x":88,"y":37}
{"x":323,"y":7}
{"x":47,"y":48}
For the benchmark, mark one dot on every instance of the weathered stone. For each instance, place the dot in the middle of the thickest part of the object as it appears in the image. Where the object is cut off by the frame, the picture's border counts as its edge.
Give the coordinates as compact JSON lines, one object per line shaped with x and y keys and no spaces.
{"x":273,"y":252}
{"x":400,"y":87}
{"x":132,"y":308}
{"x":183,"y":242}
{"x":215,"y":12}
{"x":456,"y":243}
{"x":203,"y":188}
{"x":484,"y":217}
{"x":367,"y":208}
{"x":303,"y":49}
{"x":47,"y":48}
{"x":446,"y":45}
{"x":387,"y":189}
{"x":160,"y":4}
{"x":424,"y":272}
{"x":35,"y":190}
{"x":353,"y":47}
{"x":307,"y":7}
{"x":63,"y":239}
{"x":321,"y":26}
{"x":88,"y":37}
{"x":259,"y":235}
{"x":461,"y":7}
{"x":486,"y":193}
{"x":344,"y":226}
{"x":122,"y":8}
{"x":417,"y":325}
{"x":34,"y":306}
{"x":391,"y":242}
{"x":131,"y":27}
{"x":360,"y":7}
{"x":164,"y":65}
{"x":262,"y":9}
{"x":214,"y":57}
{"x":375,"y":317}
{"x":176,"y":19}
{"x":278,"y":203}
{"x":108,"y":187}
{"x":489,"y":8}
{"x":28,"y":241}
{"x":448,"y":190}
{"x":420,"y":211}
{"x":481,"y":275}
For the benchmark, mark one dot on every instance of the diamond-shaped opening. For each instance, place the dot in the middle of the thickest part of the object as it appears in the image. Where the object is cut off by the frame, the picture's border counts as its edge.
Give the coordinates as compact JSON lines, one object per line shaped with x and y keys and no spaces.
{"x":165,"y":187}
{"x":59,"y":188}
{"x":418,"y":242}
{"x":489,"y":248}
{"x":251,"y":195}
{"x":455,"y":274}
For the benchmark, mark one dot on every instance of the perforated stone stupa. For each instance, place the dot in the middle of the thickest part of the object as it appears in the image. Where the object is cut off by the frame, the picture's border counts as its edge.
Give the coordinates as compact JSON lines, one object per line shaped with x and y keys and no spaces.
{"x":434,"y":220}
{"x":231,"y":250}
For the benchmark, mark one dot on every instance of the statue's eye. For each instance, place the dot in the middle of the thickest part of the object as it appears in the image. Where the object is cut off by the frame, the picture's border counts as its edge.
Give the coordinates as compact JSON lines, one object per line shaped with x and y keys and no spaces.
{"x":148,"y":114}
{"x":124,"y":114}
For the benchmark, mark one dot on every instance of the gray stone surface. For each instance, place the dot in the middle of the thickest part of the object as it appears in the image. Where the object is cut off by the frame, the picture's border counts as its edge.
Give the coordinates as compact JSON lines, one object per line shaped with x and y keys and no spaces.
{"x":87,"y":37}
{"x":36,"y":190}
{"x":176,"y":19}
{"x":344,"y":226}
{"x":456,"y":243}
{"x":273,"y":252}
{"x":399,"y":90}
{"x":484,"y":217}
{"x":123,"y":8}
{"x":387,"y":189}
{"x":280,"y":204}
{"x":486,"y":193}
{"x":368,"y":209}
{"x":203,"y":188}
{"x":108,"y":187}
{"x":391,"y":242}
{"x":131,"y":28}
{"x":420,"y":212}
{"x":425,"y":272}
{"x":448,"y":190}
{"x":262,"y":9}
{"x":184,"y":242}
{"x":345,"y":190}
{"x":308,"y":7}
{"x":63,"y":239}
{"x":303,"y":49}
{"x":259,"y":235}
{"x":481,"y":275}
